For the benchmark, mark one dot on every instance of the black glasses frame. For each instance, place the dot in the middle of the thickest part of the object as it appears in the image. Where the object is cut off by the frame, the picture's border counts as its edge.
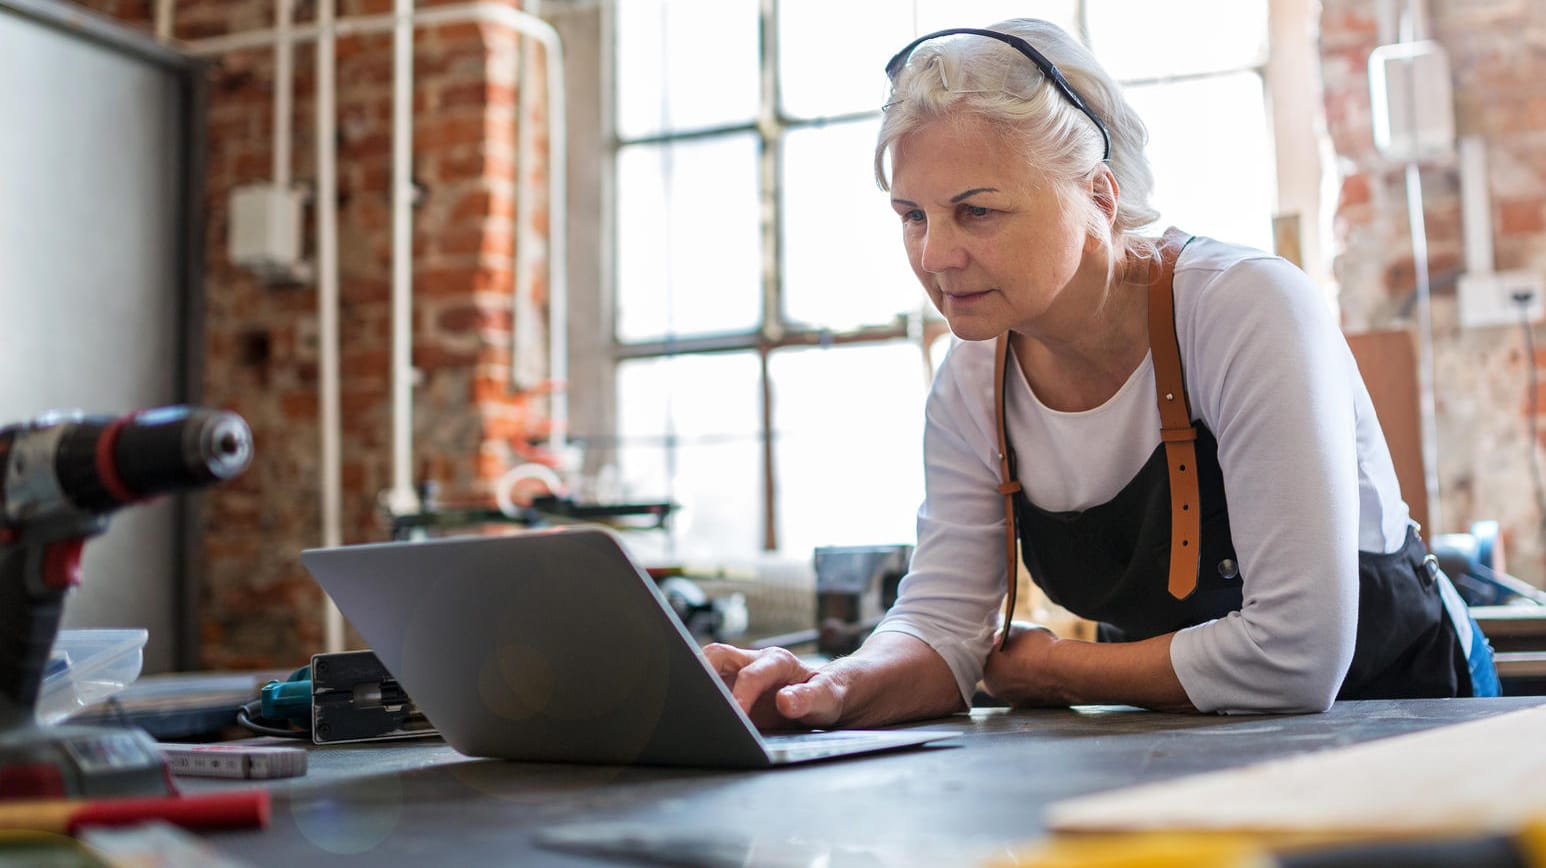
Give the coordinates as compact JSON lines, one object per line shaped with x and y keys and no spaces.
{"x":1048,"y":69}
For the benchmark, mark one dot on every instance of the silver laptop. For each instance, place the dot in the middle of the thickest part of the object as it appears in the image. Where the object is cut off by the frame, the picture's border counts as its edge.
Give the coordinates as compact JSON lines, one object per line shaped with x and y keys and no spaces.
{"x":552,"y":645}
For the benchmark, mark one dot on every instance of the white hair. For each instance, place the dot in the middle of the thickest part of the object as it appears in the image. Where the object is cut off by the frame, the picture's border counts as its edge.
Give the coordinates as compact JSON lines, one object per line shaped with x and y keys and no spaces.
{"x":983,"y":77}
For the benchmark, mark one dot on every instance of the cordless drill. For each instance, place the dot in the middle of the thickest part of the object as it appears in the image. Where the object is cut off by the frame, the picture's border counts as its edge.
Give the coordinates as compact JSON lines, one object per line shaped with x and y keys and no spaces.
{"x":61,"y":476}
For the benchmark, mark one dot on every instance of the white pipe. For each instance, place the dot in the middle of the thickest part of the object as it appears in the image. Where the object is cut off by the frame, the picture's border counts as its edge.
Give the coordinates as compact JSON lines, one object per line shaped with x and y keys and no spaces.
{"x":284,"y":88}
{"x":327,"y":303}
{"x":1428,"y":416}
{"x":558,"y":235}
{"x":1475,"y":205}
{"x":558,"y":246}
{"x":1415,"y":24}
{"x":402,"y":498}
{"x":523,"y":337}
{"x":165,"y":9}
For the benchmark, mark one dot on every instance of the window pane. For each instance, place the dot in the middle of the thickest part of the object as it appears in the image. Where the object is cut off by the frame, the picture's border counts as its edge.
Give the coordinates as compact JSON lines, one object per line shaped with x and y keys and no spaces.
{"x":940,"y":14}
{"x":689,"y":255}
{"x":688,"y":431}
{"x":832,"y":56}
{"x":848,"y":424}
{"x":1212,"y":160}
{"x":844,"y":264}
{"x":685,"y":64}
{"x":1141,"y":39}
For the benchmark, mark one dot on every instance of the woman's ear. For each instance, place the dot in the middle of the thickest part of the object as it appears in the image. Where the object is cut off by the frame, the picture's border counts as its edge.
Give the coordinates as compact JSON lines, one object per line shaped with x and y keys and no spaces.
{"x":1104,"y":190}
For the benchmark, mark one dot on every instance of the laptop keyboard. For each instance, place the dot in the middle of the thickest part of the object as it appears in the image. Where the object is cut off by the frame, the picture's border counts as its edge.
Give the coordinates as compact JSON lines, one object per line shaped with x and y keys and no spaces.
{"x":795,"y":747}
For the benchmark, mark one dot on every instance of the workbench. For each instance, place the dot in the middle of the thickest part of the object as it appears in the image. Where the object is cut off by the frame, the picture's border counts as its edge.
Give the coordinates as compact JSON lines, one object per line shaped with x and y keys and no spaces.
{"x":956,"y":802}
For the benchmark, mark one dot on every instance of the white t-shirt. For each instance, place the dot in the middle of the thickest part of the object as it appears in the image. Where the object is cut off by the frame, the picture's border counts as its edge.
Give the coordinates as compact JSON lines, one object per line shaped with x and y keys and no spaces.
{"x":1307,"y":476}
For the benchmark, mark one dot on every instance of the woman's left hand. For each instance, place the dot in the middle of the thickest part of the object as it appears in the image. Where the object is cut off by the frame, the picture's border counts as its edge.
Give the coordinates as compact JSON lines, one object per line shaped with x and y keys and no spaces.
{"x":1023,"y":674}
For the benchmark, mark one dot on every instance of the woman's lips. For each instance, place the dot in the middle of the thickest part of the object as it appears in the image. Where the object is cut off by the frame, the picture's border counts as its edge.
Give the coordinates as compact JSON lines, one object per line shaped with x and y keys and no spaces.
{"x":965,"y":297}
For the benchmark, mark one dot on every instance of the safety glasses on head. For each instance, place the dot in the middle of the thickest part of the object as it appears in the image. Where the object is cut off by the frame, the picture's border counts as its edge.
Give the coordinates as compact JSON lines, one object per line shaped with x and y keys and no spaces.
{"x":899,"y":60}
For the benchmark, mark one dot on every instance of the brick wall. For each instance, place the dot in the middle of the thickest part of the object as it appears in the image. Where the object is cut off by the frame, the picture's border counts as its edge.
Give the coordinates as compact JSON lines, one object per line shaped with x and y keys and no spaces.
{"x":258,"y":607}
{"x":1497,"y":51}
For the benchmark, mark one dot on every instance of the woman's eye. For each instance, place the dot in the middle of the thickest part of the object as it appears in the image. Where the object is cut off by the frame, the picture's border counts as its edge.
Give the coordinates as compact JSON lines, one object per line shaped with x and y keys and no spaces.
{"x":974,"y":211}
{"x":913,"y":215}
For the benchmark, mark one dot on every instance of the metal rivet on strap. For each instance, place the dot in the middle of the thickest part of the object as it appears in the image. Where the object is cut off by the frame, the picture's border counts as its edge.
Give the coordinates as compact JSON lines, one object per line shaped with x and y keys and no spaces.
{"x":1228,"y":568}
{"x":1169,"y":396}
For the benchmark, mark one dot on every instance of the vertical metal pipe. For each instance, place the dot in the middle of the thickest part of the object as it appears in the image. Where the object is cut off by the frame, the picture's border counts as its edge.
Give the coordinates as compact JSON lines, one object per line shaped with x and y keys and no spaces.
{"x":1425,"y":376}
{"x":284,"y":90}
{"x":402,"y":497}
{"x":165,"y":11}
{"x":331,"y":475}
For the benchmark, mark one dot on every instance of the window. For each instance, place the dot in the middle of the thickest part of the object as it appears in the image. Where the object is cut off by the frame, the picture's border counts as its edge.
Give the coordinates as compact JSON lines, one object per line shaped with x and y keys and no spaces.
{"x":772,"y":350}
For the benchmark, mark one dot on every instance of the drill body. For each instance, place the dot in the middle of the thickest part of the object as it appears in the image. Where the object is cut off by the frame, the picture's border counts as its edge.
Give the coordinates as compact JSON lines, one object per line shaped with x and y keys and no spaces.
{"x":61,"y":476}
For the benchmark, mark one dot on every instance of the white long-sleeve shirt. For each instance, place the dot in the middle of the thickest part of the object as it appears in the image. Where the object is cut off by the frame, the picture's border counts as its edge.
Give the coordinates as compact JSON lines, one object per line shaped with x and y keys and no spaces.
{"x":1307,"y":475}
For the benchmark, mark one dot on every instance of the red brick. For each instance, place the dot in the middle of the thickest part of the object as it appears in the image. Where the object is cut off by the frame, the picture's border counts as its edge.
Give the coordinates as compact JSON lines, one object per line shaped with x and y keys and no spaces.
{"x":498,"y":243}
{"x":449,"y":281}
{"x":461,"y":318}
{"x":366,"y":361}
{"x":430,"y":356}
{"x":496,"y":320}
{"x":448,"y":132}
{"x":1355,"y":191}
{"x":491,"y":466}
{"x":464,"y":94}
{"x":495,"y":357}
{"x":459,"y":241}
{"x":1401,"y":276}
{"x":472,"y":207}
{"x":1521,"y":216}
{"x":485,"y":389}
{"x":357,"y":407}
{"x":299,"y":406}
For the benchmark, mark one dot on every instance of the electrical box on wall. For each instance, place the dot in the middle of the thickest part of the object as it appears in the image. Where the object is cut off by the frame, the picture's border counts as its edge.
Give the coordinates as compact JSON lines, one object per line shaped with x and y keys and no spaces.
{"x":1412,"y":108}
{"x":1501,"y":298}
{"x":265,"y":232}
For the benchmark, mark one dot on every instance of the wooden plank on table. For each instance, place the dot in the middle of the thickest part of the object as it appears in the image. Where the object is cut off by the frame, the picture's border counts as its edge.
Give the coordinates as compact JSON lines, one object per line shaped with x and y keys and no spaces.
{"x":1485,"y":775}
{"x":1520,"y":664}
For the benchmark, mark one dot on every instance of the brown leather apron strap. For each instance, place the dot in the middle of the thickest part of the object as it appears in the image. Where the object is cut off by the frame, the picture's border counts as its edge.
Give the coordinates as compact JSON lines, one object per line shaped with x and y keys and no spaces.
{"x":1176,"y":432}
{"x":1009,"y":485}
{"x":1176,"y":429}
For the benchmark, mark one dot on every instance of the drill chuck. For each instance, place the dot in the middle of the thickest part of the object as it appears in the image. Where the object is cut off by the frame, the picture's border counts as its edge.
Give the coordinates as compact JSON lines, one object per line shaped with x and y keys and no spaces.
{"x":95,"y":464}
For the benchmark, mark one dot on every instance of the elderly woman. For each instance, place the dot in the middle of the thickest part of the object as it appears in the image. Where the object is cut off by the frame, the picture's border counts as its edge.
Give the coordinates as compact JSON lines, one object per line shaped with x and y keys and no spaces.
{"x":1170,"y":431}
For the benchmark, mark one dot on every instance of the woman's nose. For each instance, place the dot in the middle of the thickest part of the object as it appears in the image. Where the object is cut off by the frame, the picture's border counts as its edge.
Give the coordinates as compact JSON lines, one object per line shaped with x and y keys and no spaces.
{"x":940,"y":251}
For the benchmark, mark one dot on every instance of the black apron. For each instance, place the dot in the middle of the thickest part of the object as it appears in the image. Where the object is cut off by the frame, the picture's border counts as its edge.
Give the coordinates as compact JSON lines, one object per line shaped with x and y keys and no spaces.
{"x":1110,"y":564}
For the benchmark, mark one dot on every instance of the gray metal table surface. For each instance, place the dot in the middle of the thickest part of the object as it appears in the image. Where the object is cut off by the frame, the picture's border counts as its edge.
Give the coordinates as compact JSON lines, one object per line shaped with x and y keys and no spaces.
{"x":960,"y":801}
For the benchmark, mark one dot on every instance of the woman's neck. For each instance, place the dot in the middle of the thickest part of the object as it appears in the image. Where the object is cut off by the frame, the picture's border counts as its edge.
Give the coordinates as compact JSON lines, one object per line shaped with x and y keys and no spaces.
{"x":1080,"y":363}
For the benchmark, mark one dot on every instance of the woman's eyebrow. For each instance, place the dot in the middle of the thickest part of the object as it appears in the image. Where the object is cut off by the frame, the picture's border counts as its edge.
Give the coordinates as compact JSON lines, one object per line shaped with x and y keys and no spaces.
{"x":972,"y":192}
{"x":956,"y":199}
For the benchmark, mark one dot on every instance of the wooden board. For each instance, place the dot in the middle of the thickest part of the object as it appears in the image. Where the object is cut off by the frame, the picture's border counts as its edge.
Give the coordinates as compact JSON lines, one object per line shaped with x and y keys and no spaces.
{"x":1387,"y":360}
{"x":1488,"y":774}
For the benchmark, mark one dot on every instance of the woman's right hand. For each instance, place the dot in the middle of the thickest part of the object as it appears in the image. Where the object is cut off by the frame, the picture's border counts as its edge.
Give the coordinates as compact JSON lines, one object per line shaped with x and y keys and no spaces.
{"x":777,"y":690}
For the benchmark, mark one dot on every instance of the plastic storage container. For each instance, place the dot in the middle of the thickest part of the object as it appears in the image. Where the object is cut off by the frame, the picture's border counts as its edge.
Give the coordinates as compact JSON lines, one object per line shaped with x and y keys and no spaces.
{"x":86,"y":667}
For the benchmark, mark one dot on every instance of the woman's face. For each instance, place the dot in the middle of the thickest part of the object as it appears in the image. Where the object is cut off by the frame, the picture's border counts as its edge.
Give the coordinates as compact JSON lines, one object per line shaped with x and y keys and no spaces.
{"x":985,"y":232}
